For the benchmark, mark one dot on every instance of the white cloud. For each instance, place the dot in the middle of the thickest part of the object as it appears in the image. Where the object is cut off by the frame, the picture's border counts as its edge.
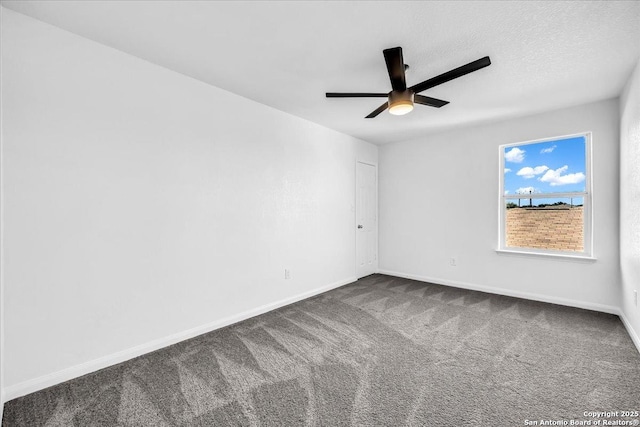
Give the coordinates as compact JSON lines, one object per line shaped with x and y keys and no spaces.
{"x":527,"y":190}
{"x":548,"y":150}
{"x":555,"y":177}
{"x":515,"y":155}
{"x":528,"y":172}
{"x":506,"y":191}
{"x":506,"y":170}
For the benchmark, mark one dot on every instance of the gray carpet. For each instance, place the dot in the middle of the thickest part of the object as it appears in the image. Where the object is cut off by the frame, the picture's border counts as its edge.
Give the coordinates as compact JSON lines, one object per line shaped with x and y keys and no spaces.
{"x":381,"y":351}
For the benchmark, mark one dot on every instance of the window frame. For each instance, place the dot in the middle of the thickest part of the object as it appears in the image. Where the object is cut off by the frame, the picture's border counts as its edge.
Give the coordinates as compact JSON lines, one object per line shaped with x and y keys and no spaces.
{"x":587,"y":196}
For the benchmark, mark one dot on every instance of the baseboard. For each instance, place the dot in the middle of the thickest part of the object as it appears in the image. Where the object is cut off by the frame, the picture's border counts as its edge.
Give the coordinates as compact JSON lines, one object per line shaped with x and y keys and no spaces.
{"x":507,"y":292}
{"x":632,"y":333}
{"x":70,"y":373}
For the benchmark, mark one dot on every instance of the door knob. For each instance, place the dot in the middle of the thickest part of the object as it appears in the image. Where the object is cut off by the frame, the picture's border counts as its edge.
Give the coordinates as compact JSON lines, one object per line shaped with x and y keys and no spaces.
{"x":359,"y":226}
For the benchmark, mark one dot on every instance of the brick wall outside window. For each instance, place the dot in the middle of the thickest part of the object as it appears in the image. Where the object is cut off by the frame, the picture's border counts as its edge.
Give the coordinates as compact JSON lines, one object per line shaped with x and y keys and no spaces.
{"x":545,"y":228}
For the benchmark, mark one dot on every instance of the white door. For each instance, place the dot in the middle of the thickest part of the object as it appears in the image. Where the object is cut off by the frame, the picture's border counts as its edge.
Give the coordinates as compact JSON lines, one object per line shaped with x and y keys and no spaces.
{"x":366,"y":220}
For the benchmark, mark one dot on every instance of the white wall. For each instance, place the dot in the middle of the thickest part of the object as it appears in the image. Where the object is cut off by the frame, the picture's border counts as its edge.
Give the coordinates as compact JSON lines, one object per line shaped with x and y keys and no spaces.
{"x":439,"y":198}
{"x":630,"y":199}
{"x":2,"y":396}
{"x":140,"y":203}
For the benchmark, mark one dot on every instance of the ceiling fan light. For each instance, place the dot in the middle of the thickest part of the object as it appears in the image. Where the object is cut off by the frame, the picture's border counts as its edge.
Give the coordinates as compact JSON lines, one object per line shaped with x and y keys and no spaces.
{"x":400,"y":103}
{"x":400,"y":108}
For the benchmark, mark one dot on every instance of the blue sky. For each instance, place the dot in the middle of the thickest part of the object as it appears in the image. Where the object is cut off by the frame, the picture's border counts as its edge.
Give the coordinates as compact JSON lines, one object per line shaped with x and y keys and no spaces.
{"x":556,"y":166}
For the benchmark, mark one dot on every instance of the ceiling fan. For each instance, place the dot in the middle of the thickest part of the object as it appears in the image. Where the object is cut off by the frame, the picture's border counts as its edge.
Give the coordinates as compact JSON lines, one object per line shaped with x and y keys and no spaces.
{"x":401,"y":98}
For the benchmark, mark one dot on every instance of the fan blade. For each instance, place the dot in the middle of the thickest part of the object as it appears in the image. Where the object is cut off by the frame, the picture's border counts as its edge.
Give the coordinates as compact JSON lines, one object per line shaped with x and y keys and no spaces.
{"x":453,"y":74}
{"x":395,"y":67}
{"x":427,"y":100}
{"x":378,"y":110}
{"x":356,"y":95}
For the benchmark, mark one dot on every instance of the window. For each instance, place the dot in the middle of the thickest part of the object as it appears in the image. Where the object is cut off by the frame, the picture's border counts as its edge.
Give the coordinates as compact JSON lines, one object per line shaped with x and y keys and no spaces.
{"x":545,"y":196}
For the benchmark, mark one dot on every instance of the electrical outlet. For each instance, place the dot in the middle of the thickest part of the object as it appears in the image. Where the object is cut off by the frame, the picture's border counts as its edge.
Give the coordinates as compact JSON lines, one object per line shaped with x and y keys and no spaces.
{"x":453,"y":262}
{"x":287,"y":274}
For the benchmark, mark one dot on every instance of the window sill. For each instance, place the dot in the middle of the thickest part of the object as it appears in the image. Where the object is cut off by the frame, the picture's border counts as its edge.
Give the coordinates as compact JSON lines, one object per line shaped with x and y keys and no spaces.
{"x":567,"y":257}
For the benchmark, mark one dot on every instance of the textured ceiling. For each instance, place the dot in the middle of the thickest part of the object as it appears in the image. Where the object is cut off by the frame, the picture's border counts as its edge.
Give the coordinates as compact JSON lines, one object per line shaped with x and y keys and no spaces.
{"x":545,"y":55}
